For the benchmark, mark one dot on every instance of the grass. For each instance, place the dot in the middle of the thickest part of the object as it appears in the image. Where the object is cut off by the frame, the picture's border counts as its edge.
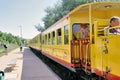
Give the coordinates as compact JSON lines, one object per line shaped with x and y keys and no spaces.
{"x":10,"y":48}
{"x":1,"y":54}
{"x":1,"y":51}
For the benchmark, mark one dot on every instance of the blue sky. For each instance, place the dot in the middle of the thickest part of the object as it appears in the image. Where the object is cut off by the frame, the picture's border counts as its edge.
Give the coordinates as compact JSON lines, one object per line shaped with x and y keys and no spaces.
{"x":25,"y":13}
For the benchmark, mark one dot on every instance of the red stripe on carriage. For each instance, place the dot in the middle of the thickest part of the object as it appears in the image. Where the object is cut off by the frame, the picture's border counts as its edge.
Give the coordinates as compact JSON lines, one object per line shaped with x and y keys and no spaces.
{"x":109,"y":76}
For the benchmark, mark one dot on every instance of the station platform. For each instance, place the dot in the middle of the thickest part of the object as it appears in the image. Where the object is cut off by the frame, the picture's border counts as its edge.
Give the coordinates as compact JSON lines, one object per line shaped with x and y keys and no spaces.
{"x":27,"y":66}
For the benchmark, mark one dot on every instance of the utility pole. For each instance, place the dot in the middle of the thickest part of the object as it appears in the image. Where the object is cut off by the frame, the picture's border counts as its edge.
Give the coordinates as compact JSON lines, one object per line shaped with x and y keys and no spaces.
{"x":21,"y":31}
{"x":21,"y":44}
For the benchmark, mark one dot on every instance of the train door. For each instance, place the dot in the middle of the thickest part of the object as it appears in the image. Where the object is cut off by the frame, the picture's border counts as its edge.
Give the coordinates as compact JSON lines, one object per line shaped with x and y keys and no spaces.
{"x":101,"y":47}
{"x":80,"y":48}
{"x":75,"y":44}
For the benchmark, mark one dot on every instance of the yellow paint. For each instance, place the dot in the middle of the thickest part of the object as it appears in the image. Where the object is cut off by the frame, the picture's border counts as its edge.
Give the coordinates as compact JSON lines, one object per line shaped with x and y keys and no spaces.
{"x":94,"y":14}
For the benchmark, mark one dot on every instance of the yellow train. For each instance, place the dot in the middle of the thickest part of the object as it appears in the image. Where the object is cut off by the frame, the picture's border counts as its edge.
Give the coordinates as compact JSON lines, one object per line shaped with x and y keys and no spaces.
{"x":97,"y":53}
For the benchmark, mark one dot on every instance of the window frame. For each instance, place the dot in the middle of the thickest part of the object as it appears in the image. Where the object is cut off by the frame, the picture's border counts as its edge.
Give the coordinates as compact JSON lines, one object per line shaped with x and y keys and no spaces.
{"x":53,"y":37}
{"x":66,"y":35}
{"x":59,"y":42}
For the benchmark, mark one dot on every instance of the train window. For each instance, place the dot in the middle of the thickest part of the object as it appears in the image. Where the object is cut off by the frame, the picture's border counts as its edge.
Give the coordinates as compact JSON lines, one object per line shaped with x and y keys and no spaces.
{"x":49,"y":38}
{"x":66,"y":38}
{"x":85,"y":28}
{"x":76,"y":31}
{"x":59,"y":36}
{"x":81,"y":31}
{"x":43,"y":39}
{"x":46,"y":39}
{"x":53,"y":37}
{"x":40,"y":38}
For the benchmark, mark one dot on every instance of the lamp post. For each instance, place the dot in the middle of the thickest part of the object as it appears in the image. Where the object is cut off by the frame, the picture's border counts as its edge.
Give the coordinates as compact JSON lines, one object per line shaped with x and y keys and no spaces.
{"x":21,"y":38}
{"x":21,"y":31}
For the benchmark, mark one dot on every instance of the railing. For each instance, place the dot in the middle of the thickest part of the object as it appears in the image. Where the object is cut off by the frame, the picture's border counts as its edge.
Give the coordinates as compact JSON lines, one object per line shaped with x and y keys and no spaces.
{"x":80,"y":51}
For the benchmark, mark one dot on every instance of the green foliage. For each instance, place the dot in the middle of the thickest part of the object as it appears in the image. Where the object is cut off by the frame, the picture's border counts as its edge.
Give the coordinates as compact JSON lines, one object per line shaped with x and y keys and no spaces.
{"x":60,"y":9}
{"x":106,"y":0}
{"x":39,"y":27}
{"x":9,"y":38}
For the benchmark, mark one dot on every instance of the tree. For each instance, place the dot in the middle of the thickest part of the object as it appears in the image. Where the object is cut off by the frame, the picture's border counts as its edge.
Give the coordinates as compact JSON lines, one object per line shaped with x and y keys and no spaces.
{"x":9,"y":38}
{"x":39,"y":27}
{"x":61,"y":8}
{"x":105,"y":0}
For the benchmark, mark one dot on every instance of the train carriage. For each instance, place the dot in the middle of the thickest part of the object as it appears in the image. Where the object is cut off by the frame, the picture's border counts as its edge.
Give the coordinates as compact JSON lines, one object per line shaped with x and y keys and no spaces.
{"x":97,"y":53}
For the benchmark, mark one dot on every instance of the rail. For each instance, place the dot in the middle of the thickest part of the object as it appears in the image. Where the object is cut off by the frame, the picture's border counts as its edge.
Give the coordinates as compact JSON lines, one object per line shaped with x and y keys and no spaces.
{"x":80,"y":51}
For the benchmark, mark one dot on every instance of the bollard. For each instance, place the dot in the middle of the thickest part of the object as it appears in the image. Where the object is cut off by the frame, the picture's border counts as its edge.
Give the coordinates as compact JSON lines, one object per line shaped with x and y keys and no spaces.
{"x":2,"y":75}
{"x":21,"y":48}
{"x":5,"y":46}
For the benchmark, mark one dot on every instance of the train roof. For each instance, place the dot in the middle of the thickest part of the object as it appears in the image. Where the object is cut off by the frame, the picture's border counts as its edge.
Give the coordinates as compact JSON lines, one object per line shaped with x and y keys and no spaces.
{"x":97,"y":6}
{"x":94,"y":6}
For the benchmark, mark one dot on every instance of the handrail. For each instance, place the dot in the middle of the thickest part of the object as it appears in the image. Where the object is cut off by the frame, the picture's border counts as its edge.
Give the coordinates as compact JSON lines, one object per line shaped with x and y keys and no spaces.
{"x":78,"y":51}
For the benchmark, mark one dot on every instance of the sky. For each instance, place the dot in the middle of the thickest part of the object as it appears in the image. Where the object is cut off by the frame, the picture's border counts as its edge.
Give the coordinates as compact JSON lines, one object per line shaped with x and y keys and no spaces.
{"x":17,"y":14}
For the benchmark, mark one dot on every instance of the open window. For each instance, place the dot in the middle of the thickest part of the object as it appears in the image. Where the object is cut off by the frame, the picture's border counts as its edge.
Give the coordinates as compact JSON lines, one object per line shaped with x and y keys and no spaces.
{"x":66,"y":36}
{"x":113,"y":31}
{"x":49,"y":38}
{"x":76,"y":30}
{"x":45,"y":38}
{"x":80,"y":31}
{"x":59,"y":36}
{"x":53,"y":37}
